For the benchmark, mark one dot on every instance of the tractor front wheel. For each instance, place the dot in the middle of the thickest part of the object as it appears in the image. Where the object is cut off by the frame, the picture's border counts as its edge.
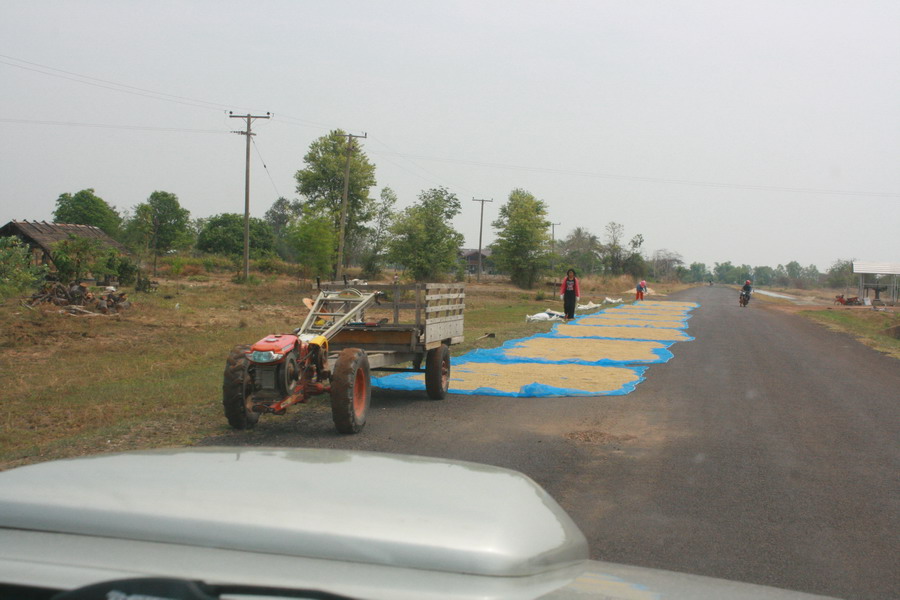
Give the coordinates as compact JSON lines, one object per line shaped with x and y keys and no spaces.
{"x":437,"y":372}
{"x":351,"y":391}
{"x":237,"y":386}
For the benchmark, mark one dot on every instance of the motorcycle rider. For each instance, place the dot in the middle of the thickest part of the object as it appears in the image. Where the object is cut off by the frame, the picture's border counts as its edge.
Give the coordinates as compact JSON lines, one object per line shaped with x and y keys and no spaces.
{"x":747,"y":289}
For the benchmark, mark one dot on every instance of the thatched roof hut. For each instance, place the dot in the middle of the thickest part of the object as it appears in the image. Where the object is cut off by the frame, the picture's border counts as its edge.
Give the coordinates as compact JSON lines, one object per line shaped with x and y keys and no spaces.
{"x":40,"y":236}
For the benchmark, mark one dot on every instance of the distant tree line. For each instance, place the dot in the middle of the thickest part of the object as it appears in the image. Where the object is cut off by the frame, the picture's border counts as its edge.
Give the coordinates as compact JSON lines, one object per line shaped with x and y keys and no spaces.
{"x":418,"y":240}
{"x":792,"y":274}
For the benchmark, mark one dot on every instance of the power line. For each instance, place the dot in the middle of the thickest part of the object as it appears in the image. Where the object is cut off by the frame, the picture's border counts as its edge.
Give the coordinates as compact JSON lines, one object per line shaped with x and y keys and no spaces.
{"x":110,"y":126}
{"x":433,"y":176}
{"x":266,"y":168}
{"x":670,"y":181}
{"x":184,"y":100}
{"x":109,"y":85}
{"x":283,"y":118}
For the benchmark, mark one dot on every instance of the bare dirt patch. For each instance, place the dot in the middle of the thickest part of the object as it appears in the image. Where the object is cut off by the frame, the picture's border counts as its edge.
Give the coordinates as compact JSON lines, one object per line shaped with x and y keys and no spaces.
{"x":596,"y":437}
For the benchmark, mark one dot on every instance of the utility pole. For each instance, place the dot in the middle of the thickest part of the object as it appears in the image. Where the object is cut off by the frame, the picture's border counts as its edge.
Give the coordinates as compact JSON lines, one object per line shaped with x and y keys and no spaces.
{"x":480,"y":225}
{"x":553,"y":235}
{"x":344,"y":203}
{"x":249,"y":134}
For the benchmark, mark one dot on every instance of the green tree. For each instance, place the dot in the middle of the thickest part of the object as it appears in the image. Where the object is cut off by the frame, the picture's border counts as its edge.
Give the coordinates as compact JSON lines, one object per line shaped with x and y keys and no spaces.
{"x":17,"y":269}
{"x":280,"y":216}
{"x":794,"y":272}
{"x":522,"y":248}
{"x":86,"y":208}
{"x":423,"y":239}
{"x":77,"y":257}
{"x":810,"y":276}
{"x":840,"y":274}
{"x":159,"y":225}
{"x":781,"y":276}
{"x":666,"y":264}
{"x":726,"y":272}
{"x":282,"y":213}
{"x":581,"y":249}
{"x":763,"y":276}
{"x":224,"y":234}
{"x":311,"y":242}
{"x":375,"y":249}
{"x":698,"y":272}
{"x":196,"y":226}
{"x":634,"y":263}
{"x":613,"y":251}
{"x":321,"y":185}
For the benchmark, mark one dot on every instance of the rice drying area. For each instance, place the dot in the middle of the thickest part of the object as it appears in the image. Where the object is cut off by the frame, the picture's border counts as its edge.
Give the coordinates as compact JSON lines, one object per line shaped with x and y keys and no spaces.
{"x":600,"y":354}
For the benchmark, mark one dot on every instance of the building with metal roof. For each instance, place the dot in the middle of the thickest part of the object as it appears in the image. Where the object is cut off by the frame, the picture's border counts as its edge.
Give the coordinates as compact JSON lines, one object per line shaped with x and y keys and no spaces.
{"x":878,"y":277}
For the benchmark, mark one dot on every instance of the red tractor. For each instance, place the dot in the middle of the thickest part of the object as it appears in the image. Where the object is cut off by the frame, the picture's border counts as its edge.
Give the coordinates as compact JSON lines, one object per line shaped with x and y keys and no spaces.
{"x":281,"y":370}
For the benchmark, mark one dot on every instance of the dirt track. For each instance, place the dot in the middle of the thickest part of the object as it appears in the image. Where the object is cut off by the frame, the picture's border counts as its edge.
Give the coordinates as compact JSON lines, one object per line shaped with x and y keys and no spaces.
{"x":765,"y":451}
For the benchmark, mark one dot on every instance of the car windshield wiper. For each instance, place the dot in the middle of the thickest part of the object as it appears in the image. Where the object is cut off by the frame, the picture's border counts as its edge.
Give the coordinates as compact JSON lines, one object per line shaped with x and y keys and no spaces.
{"x":162,"y":588}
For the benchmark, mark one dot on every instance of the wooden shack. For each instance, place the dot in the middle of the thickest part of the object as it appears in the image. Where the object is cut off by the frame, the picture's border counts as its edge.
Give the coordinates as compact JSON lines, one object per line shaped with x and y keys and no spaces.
{"x":41,"y":236}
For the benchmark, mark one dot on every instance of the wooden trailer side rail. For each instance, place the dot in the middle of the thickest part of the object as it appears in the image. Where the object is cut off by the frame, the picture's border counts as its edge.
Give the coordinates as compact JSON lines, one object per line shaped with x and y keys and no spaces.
{"x":444,"y":307}
{"x":411,"y":317}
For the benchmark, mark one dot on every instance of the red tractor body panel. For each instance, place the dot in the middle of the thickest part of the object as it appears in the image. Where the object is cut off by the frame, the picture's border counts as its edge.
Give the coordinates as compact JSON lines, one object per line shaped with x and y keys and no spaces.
{"x":281,"y":344}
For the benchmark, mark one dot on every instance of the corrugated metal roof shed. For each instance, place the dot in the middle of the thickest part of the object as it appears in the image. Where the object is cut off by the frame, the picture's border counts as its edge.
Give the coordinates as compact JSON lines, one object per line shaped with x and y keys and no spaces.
{"x":43,"y":235}
{"x":876,"y":268}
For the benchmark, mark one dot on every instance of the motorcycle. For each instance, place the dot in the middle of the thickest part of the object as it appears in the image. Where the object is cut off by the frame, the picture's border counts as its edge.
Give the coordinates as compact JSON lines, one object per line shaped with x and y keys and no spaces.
{"x":744,"y":298}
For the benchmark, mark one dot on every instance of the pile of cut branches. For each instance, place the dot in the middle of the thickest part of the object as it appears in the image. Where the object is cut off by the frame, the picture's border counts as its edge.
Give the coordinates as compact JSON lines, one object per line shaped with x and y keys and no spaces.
{"x":78,"y":299}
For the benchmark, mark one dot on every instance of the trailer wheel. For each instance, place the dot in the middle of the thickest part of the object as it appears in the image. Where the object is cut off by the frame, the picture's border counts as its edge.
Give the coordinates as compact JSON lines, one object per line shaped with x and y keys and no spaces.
{"x":237,"y":386}
{"x":437,"y":372}
{"x":350,"y":391}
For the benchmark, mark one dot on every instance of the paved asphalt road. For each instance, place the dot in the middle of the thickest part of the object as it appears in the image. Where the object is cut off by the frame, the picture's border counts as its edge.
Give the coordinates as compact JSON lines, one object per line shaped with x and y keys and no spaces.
{"x":767,"y":451}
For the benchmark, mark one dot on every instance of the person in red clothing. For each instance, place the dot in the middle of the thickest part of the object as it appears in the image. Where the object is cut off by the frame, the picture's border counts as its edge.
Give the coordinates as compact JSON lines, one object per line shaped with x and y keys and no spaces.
{"x":640,"y":289}
{"x":570,"y":294}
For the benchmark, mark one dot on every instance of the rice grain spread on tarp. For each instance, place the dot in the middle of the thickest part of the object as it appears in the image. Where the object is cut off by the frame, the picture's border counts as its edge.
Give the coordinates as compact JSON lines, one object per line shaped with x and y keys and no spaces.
{"x":595,"y":355}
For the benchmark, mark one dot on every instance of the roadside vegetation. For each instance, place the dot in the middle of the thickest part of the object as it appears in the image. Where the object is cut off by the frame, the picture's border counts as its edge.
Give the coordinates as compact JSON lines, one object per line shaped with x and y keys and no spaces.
{"x":877,"y":329}
{"x":151,"y":375}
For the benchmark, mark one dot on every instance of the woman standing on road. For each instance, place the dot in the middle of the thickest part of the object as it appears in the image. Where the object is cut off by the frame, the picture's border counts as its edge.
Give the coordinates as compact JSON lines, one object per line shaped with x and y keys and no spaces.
{"x":570,"y":294}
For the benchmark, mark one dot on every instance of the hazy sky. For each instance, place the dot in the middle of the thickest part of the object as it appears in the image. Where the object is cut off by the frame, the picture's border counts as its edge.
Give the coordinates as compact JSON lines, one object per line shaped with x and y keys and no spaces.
{"x":751,"y":132}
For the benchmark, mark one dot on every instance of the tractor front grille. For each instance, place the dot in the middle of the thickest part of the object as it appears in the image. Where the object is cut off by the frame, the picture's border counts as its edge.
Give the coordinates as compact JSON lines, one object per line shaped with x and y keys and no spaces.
{"x":266,"y":377}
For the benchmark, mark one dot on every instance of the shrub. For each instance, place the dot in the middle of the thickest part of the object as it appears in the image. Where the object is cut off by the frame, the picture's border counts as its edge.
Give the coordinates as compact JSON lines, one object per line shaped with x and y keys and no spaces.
{"x":271,"y":265}
{"x":17,"y":273}
{"x":176,"y":266}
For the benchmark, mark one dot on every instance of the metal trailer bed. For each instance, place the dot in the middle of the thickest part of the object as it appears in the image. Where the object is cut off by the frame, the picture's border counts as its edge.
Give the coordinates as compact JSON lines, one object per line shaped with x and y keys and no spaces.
{"x":409,"y":322}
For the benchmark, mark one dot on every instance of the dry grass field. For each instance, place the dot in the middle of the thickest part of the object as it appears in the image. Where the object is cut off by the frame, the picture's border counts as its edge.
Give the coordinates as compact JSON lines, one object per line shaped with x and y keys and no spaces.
{"x":151,"y":376}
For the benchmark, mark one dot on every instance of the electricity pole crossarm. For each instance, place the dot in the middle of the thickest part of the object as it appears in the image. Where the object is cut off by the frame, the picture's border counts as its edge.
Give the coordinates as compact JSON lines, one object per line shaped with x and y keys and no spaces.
{"x":344,"y":204}
{"x":480,"y":226}
{"x":553,"y":234}
{"x":249,"y":135}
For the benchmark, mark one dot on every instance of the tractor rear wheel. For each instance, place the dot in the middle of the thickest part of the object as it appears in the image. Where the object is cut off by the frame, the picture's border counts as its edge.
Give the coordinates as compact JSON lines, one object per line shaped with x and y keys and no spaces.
{"x":437,"y":372}
{"x":351,"y":391}
{"x":237,"y":387}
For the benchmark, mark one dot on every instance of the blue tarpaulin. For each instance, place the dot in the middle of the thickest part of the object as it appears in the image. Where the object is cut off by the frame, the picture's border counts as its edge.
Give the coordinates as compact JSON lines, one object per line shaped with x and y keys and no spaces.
{"x":540,"y":386}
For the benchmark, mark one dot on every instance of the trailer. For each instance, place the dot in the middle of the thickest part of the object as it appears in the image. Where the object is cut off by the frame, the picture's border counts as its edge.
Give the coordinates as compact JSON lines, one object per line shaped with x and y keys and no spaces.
{"x":357,"y":330}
